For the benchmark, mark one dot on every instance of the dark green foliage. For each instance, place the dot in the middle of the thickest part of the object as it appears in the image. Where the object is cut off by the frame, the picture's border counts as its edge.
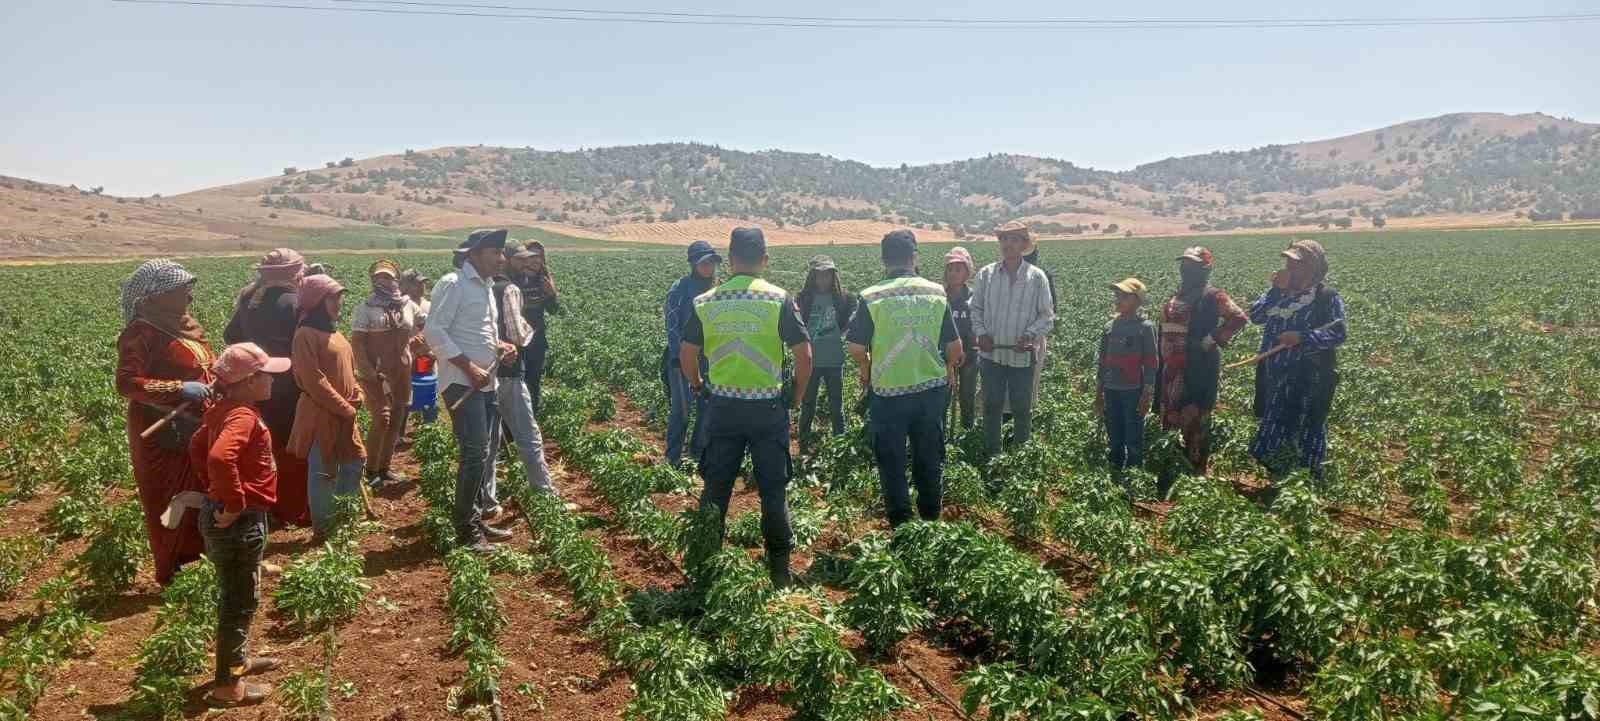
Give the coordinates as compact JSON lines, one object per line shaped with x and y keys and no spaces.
{"x":116,"y":550}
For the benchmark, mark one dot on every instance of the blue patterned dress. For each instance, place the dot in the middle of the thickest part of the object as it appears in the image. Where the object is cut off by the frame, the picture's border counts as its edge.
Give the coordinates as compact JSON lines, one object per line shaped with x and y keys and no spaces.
{"x":1283,"y":407}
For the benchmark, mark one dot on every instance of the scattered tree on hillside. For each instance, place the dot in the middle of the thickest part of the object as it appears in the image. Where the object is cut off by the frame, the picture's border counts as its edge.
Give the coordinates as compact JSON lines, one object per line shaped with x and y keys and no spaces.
{"x":291,"y":170}
{"x":1379,"y":221}
{"x":347,"y":162}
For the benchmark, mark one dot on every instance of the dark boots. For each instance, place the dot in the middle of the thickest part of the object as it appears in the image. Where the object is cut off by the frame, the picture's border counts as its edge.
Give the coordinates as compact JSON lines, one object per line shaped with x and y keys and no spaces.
{"x":778,"y":569}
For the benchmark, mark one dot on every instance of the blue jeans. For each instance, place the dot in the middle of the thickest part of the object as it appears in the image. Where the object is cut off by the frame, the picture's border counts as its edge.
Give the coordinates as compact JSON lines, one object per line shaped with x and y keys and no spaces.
{"x":678,"y":418}
{"x":473,"y":423}
{"x":1125,"y":429}
{"x":918,"y":418}
{"x":517,"y":411}
{"x":833,"y":378}
{"x":326,"y":479}
{"x":762,"y":428}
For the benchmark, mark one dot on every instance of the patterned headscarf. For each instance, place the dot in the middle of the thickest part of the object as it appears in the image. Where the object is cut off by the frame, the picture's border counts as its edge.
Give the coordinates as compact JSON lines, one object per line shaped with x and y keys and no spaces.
{"x":152,"y":278}
{"x":1310,"y":253}
{"x":385,"y":295}
{"x":280,"y":268}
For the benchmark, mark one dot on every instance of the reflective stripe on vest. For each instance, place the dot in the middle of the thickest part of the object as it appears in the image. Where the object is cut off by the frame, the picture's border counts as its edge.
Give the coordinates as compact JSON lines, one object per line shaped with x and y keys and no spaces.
{"x":907,"y":317}
{"x":740,"y":320}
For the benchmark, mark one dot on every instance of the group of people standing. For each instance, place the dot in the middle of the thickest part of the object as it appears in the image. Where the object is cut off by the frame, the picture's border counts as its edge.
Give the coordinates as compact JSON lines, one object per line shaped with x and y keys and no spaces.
{"x":1178,"y":360}
{"x":265,"y":433}
{"x":487,"y":326}
{"x":916,"y":343}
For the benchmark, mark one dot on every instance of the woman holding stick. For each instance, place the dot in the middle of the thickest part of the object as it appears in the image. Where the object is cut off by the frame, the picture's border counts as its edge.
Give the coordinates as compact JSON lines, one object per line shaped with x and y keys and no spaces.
{"x":1302,"y":323}
{"x":163,"y":365}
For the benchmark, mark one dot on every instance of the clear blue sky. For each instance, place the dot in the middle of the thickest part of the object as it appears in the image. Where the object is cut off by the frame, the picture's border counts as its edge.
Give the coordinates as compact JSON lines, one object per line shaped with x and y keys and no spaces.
{"x":145,"y":99}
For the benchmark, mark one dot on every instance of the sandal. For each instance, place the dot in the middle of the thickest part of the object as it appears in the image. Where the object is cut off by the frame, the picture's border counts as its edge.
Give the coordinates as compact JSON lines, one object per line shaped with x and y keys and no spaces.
{"x":253,"y":694}
{"x":261,"y":664}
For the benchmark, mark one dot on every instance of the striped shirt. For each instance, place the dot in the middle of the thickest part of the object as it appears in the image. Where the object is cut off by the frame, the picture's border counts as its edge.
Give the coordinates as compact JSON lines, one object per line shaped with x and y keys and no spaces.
{"x":1127,"y":354}
{"x":1006,"y":306}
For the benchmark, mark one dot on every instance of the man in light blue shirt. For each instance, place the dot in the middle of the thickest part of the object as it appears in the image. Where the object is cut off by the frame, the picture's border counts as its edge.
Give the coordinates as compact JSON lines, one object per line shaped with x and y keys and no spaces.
{"x":462,"y":330}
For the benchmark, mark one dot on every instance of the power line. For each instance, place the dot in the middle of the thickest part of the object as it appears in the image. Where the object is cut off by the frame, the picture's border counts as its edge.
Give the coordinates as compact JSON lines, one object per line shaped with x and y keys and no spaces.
{"x":1004,"y":21}
{"x":509,"y":12}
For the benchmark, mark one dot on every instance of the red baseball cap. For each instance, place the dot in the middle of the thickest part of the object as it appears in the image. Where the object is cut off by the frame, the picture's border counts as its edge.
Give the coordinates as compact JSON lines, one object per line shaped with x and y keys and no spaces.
{"x":242,"y":360}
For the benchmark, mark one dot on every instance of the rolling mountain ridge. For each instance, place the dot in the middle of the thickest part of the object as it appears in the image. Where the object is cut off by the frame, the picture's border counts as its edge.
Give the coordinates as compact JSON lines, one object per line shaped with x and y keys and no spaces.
{"x":1460,"y":169}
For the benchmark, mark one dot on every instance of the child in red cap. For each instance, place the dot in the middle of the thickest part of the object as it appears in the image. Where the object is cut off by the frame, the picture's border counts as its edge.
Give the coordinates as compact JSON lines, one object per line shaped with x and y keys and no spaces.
{"x":234,"y":451}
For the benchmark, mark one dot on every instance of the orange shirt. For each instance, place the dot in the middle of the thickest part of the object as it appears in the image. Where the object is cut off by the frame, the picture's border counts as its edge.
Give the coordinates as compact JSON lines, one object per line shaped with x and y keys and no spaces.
{"x":234,"y":449}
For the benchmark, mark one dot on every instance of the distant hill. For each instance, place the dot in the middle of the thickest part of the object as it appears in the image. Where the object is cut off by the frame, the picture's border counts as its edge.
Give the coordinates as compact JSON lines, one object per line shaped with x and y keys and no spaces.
{"x":1469,"y":168}
{"x":1467,"y":163}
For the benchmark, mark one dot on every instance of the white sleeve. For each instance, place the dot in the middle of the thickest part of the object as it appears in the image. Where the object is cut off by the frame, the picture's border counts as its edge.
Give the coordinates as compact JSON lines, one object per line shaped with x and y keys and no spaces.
{"x":446,"y":302}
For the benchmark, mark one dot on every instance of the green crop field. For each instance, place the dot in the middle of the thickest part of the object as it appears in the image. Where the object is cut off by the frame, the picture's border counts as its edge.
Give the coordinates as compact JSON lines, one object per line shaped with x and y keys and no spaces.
{"x":1445,"y":568}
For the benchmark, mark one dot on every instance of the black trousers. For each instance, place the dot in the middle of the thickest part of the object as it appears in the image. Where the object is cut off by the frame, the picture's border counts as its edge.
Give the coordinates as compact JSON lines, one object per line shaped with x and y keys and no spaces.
{"x":236,"y":552}
{"x":760,"y":427}
{"x":917,"y":419}
{"x":833,"y":380}
{"x":533,"y":358}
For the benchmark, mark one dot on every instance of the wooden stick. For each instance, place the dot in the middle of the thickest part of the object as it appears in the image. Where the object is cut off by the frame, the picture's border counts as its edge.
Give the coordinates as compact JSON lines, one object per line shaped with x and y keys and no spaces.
{"x":470,"y":391}
{"x":1257,"y":358}
{"x":1269,"y":698}
{"x":146,"y":433}
{"x":935,"y":690}
{"x":366,"y":500}
{"x":1279,"y":348}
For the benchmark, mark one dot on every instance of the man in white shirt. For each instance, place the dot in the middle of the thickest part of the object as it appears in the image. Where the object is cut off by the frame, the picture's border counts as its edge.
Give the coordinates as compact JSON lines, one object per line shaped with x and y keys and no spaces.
{"x":462,"y":330}
{"x":1012,"y":310}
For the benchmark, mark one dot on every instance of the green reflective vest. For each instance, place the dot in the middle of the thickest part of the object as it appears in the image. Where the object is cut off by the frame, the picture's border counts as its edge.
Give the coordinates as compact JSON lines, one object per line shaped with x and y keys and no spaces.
{"x":907,"y":316}
{"x":740,"y":320}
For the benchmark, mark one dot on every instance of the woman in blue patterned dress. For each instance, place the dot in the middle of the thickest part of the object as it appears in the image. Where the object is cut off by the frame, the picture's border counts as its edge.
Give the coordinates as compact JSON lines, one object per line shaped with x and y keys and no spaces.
{"x":1294,"y":387}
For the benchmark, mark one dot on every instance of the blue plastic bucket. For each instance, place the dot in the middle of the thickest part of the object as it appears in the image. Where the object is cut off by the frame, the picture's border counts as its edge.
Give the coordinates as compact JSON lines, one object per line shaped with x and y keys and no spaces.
{"x":424,"y":390}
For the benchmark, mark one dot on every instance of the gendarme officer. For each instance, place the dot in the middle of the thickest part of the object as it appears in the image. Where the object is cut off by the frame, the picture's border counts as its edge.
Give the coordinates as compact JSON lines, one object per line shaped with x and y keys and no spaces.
{"x":906,"y":344}
{"x":743,"y":326}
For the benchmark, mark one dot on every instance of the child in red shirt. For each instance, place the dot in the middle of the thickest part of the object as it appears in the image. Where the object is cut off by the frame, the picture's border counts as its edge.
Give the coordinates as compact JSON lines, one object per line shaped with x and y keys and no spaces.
{"x":234,"y":451}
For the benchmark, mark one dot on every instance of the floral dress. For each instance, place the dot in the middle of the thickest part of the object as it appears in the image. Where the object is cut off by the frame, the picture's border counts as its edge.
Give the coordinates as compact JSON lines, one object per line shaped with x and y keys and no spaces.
{"x":151,"y":368}
{"x":1282,"y":394}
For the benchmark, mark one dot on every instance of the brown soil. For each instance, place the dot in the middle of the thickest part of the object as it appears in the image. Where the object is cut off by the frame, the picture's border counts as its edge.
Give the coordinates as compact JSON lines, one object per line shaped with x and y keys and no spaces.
{"x":937,"y":666}
{"x":394,"y":651}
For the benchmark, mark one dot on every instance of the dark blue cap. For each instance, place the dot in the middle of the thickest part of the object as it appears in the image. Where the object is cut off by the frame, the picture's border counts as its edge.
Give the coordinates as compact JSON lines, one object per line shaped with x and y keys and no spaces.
{"x":747,"y":245}
{"x":899,"y":244}
{"x":485,"y":238}
{"x":700,"y":251}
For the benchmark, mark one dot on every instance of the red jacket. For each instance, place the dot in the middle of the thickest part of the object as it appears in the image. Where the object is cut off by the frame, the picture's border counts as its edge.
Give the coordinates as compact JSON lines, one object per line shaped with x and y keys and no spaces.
{"x":233,"y":451}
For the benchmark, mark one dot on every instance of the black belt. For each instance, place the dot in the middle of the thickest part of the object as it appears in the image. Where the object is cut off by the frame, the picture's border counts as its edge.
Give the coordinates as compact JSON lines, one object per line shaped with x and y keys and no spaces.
{"x":217,"y":505}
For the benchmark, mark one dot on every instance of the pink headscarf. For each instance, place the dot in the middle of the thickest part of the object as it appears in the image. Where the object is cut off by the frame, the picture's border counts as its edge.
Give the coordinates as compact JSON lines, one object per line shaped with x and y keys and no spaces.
{"x":313,"y":290}
{"x":281,"y":268}
{"x":281,"y":263}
